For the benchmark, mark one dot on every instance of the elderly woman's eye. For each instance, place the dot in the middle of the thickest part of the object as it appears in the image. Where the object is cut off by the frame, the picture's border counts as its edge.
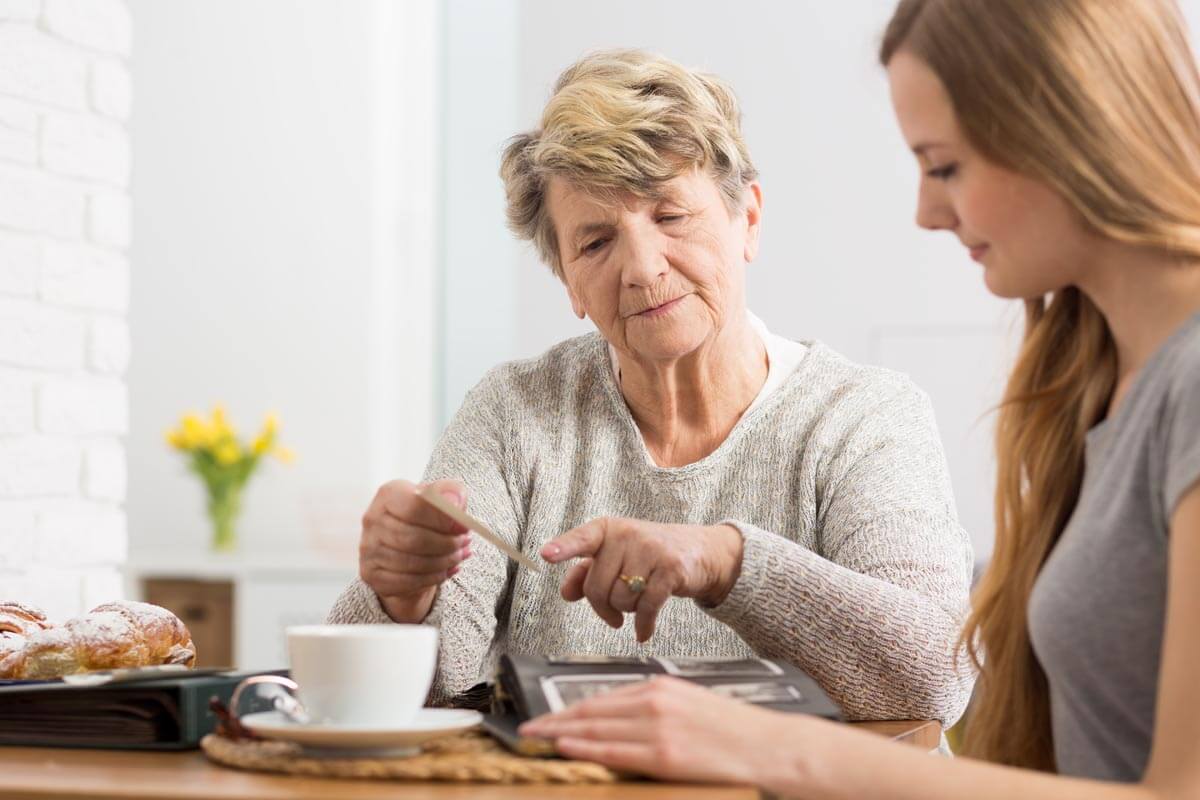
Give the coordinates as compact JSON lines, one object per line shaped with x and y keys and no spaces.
{"x":670,"y":217}
{"x":594,"y":246}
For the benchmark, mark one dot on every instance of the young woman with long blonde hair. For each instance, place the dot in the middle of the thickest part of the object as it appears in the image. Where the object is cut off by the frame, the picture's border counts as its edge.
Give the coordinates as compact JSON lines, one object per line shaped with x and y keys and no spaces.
{"x":1059,"y":140}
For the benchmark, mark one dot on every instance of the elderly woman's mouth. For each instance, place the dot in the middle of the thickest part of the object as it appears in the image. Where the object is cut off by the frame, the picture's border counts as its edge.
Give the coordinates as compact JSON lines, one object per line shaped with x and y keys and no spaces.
{"x":659,"y":310}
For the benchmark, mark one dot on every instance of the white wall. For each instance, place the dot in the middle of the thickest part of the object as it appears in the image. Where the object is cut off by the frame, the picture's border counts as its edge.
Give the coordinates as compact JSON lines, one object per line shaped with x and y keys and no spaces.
{"x":841,"y":259}
{"x":482,"y":108}
{"x":278,"y":140}
{"x":284,"y":199}
{"x":64,"y":292}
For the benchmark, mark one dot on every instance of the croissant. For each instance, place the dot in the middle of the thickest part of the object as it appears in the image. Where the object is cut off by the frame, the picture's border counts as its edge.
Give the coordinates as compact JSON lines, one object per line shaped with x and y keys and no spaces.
{"x":17,"y":623}
{"x":110,"y":636}
{"x":21,"y":619}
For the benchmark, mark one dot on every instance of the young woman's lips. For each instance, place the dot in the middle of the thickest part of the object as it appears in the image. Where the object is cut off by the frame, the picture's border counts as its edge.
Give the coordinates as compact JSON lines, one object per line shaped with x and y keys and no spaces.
{"x":978,"y":251}
{"x":660,"y":310}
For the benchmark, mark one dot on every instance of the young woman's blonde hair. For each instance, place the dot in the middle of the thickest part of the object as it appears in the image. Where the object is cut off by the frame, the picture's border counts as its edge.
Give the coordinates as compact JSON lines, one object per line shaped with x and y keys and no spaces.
{"x":1100,"y":100}
{"x":623,"y":122}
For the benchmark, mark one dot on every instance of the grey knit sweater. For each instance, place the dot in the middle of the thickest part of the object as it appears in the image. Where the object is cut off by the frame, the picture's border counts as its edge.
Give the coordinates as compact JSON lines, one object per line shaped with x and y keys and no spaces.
{"x":854,"y":565}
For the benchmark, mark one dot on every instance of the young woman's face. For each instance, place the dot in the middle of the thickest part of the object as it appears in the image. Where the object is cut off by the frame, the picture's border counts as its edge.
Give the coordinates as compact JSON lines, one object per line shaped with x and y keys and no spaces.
{"x":1029,"y":241}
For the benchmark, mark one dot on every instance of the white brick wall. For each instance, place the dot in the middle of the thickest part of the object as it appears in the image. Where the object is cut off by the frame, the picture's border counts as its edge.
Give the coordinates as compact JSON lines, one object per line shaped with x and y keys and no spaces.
{"x":18,"y":132}
{"x":24,"y":10}
{"x":65,"y":94}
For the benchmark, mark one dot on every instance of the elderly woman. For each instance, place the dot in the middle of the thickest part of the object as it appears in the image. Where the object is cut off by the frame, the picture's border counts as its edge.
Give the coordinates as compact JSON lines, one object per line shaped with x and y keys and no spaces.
{"x":736,"y":492}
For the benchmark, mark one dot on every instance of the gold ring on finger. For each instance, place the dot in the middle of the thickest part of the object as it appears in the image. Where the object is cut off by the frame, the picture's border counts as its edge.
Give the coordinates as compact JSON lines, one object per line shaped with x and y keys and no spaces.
{"x":636,"y":583}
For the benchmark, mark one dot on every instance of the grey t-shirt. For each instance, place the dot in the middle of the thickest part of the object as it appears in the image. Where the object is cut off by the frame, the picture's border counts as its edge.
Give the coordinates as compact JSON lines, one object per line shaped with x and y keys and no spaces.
{"x":1097,"y":610}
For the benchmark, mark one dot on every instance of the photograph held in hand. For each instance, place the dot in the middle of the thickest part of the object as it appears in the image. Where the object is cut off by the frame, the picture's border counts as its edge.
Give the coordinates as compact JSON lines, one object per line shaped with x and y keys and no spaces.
{"x":467,"y":521}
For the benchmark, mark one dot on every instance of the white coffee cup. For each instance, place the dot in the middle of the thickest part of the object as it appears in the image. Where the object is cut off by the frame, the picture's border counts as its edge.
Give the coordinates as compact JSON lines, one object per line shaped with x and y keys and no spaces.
{"x":362,"y":675}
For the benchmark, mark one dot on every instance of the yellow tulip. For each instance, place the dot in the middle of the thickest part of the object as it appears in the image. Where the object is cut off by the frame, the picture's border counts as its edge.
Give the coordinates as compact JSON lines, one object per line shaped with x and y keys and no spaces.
{"x":220,"y":422}
{"x":262,"y":443}
{"x":227,"y":452}
{"x":216,"y":436}
{"x":196,"y":433}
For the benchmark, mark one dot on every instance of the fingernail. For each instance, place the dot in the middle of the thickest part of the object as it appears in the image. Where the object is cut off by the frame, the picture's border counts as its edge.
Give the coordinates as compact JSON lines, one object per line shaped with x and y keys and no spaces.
{"x":551,"y":551}
{"x":452,"y":496}
{"x":465,"y":553}
{"x":453,"y":571}
{"x":462,"y":541}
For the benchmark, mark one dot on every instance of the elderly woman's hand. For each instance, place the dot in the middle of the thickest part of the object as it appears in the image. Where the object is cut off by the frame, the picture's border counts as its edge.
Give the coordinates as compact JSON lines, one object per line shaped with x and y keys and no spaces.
{"x":635,"y":566}
{"x":408,"y":547}
{"x":675,"y":730}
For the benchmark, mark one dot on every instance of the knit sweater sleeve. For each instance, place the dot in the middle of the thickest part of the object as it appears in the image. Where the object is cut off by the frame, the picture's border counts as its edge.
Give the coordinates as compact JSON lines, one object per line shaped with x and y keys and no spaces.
{"x":875,"y":615}
{"x":470,"y":605}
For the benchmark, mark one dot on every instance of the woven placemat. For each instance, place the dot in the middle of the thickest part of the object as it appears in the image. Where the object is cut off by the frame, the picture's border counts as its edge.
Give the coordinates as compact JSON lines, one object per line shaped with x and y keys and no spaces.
{"x":467,"y":757}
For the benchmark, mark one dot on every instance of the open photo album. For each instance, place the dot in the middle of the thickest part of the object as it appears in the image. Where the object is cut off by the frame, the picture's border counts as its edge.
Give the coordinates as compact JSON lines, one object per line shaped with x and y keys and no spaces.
{"x":528,"y":686}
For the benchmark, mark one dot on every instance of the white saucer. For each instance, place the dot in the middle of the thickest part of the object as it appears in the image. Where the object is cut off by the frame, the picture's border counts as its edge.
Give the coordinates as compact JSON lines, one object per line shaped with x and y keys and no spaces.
{"x":360,"y":740}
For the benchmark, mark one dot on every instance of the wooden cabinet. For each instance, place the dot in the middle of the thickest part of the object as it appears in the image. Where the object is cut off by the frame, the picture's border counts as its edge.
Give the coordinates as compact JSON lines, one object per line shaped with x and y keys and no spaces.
{"x":206,"y":607}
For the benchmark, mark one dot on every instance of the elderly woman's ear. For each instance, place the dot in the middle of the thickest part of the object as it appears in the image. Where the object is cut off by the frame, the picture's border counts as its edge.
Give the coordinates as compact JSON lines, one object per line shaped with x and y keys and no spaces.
{"x":752,"y":204}
{"x":576,"y":303}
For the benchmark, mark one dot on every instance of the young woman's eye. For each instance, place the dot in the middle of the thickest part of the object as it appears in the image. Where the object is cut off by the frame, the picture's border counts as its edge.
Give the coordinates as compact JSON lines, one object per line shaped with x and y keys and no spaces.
{"x":943,"y":173}
{"x":594,"y":246}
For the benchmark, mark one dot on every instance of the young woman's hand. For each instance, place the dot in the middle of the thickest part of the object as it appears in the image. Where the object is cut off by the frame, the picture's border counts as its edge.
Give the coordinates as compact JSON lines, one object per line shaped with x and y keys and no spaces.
{"x":675,"y":730}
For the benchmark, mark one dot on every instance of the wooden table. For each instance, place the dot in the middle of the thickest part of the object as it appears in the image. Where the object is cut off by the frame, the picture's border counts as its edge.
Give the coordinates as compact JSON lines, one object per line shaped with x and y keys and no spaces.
{"x":43,"y":772}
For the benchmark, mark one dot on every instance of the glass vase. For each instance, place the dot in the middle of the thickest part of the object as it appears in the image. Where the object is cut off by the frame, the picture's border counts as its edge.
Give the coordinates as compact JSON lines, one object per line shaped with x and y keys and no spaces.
{"x":224,"y":504}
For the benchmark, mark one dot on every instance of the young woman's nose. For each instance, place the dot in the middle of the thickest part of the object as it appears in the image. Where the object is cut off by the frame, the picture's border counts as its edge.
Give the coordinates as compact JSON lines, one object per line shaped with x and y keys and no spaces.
{"x":934,"y":212}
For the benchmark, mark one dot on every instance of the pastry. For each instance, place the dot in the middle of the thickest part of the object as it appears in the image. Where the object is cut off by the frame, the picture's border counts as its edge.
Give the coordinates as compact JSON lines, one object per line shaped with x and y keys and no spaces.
{"x":110,"y":636}
{"x":21,"y":619}
{"x":17,"y":623}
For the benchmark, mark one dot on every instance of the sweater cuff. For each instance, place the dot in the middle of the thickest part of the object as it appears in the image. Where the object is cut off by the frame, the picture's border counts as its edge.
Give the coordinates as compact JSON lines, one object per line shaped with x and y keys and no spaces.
{"x":436,"y":612}
{"x":358,"y":605}
{"x":756,"y":547}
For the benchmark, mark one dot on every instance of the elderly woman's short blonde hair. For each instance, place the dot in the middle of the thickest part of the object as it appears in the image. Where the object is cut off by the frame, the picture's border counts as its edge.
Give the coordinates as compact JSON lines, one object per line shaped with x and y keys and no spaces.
{"x":624,"y":121}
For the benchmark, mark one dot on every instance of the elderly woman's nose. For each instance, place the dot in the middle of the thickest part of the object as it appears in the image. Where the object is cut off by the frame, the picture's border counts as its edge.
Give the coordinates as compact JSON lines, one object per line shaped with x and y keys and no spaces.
{"x":643,"y":260}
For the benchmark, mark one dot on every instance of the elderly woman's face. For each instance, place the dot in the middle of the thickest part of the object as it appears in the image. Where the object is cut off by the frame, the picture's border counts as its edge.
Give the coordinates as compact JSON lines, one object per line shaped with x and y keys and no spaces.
{"x":659,"y":278}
